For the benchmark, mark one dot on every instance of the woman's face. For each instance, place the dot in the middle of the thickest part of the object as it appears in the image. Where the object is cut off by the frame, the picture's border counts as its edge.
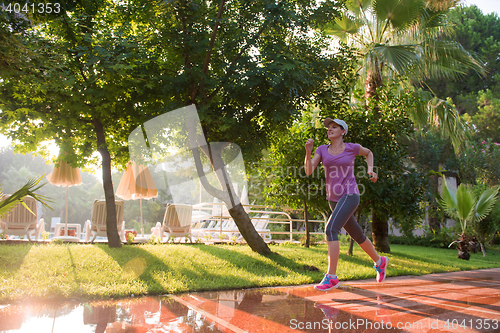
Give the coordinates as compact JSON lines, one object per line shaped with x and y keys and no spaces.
{"x":334,"y":130}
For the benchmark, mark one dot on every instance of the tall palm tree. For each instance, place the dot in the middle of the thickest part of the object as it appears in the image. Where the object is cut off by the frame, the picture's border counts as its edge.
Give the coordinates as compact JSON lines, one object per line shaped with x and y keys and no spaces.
{"x":464,"y":206}
{"x":397,"y":39}
{"x":403,"y":40}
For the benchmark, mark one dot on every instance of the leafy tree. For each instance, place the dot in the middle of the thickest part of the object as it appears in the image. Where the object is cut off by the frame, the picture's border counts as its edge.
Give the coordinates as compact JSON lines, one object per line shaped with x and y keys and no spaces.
{"x":487,"y":118}
{"x":257,"y":53}
{"x":433,"y":155}
{"x":103,"y":69}
{"x":479,"y":164}
{"x":82,"y":89}
{"x":478,"y":34}
{"x":486,"y":229}
{"x":11,"y":25}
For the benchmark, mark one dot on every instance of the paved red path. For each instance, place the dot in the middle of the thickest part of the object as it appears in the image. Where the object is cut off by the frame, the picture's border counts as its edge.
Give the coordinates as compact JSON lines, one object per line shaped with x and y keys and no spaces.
{"x":449,"y":302}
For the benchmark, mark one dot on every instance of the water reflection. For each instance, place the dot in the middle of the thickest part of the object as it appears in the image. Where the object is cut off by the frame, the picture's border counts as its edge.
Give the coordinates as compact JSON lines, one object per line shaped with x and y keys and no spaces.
{"x":270,"y":309}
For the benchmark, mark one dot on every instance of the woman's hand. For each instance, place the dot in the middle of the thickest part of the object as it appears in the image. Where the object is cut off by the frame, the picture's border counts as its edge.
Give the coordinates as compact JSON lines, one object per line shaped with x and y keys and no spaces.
{"x":309,"y":145}
{"x":373,"y":177}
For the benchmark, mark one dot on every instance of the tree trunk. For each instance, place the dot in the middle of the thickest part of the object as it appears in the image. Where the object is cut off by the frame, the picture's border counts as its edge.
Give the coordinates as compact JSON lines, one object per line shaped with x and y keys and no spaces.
{"x":109,"y":193}
{"x":483,"y":249}
{"x":434,"y":222}
{"x":248,"y":231}
{"x":463,"y":247}
{"x":372,"y":83}
{"x":380,"y":232}
{"x":306,"y":220}
{"x":380,"y":227}
{"x":351,"y":247}
{"x":227,"y":194}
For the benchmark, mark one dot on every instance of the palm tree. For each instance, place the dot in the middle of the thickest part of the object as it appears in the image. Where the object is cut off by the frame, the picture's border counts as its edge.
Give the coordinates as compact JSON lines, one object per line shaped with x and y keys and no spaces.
{"x":17,"y":197}
{"x":403,"y":40}
{"x":464,"y":206}
{"x":397,"y":39}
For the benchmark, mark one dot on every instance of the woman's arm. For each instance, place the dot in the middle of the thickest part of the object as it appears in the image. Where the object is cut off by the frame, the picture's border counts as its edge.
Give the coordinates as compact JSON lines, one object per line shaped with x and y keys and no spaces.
{"x":367,"y":153}
{"x":310,"y":165}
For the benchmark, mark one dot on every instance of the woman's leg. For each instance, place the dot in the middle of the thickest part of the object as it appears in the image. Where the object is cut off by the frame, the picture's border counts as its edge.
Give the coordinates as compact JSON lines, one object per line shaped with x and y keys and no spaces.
{"x":352,"y":227}
{"x":354,"y":230}
{"x":333,"y":256}
{"x":367,"y":246}
{"x":341,"y":212}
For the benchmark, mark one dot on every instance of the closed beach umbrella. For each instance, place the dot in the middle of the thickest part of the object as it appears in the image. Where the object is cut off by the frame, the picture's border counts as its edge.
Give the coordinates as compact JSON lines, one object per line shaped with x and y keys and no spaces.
{"x":137,"y":183}
{"x":65,"y":175}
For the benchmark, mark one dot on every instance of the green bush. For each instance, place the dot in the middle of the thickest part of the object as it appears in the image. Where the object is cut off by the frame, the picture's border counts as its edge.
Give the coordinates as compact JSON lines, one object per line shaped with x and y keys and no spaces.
{"x":440,"y":239}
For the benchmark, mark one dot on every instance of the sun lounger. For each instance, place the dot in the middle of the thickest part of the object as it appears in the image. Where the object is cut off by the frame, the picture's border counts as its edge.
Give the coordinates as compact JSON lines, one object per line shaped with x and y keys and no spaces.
{"x":97,"y":224}
{"x":21,"y":222}
{"x":177,"y":222}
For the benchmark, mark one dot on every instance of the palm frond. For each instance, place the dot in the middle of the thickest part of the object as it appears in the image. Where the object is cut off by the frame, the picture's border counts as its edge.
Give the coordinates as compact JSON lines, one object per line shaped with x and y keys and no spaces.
{"x":342,"y":27}
{"x":419,"y":114}
{"x":27,"y":189}
{"x":442,"y":115}
{"x":397,"y":57}
{"x":446,"y":59}
{"x":448,"y":200}
{"x":486,"y":203}
{"x":433,"y":18}
{"x":357,"y":6}
{"x":441,"y":5}
{"x":446,"y":118}
{"x":466,"y":204}
{"x":400,"y":13}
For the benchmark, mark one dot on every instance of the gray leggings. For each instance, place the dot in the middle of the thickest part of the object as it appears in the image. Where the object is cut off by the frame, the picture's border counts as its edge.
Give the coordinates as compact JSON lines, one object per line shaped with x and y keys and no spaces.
{"x":342,"y":216}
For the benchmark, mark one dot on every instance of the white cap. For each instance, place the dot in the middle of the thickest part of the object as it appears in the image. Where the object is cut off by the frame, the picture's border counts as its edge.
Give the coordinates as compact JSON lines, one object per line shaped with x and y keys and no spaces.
{"x":342,"y":123}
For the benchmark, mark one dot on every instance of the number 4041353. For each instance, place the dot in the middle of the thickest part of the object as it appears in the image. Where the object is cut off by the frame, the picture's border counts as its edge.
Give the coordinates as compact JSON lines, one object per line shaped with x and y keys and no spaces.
{"x":25,"y":8}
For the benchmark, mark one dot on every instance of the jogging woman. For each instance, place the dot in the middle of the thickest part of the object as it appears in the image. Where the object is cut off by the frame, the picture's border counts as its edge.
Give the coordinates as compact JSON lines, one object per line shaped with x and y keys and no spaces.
{"x":342,"y":194}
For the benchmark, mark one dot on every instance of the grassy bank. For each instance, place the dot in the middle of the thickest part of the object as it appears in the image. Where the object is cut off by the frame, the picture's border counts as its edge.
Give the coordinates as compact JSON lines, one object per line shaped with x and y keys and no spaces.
{"x":96,"y":271}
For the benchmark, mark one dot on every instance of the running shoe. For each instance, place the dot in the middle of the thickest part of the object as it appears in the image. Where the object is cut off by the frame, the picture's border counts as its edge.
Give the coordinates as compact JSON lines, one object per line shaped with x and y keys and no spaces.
{"x":381,"y":269}
{"x":327,"y":283}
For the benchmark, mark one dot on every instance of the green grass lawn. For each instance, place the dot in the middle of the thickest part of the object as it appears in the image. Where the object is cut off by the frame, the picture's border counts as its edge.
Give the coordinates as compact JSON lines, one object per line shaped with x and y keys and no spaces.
{"x":96,"y":271}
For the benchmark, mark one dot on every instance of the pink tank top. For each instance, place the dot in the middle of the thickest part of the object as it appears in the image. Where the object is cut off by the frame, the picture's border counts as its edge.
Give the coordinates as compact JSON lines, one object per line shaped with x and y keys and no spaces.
{"x":339,"y":171}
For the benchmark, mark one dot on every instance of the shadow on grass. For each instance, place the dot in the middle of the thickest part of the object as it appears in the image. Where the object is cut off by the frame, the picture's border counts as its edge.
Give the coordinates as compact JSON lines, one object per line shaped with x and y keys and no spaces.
{"x":188,"y":275}
{"x":280,"y":266}
{"x":13,"y":256}
{"x":73,"y":267}
{"x":141,"y":263}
